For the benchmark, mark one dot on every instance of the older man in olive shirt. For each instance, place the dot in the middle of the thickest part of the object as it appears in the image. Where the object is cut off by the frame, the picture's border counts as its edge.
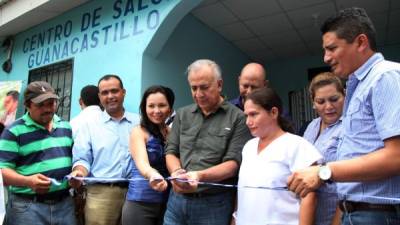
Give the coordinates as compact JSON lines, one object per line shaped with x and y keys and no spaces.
{"x":205,"y":144}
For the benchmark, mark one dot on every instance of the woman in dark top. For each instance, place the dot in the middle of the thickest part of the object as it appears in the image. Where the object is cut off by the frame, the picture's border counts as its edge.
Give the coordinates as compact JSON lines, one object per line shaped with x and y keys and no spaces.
{"x":146,"y":198}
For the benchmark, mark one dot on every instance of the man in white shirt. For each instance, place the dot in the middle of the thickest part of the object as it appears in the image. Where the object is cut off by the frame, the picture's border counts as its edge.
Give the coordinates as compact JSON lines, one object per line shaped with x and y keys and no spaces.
{"x":90,"y":105}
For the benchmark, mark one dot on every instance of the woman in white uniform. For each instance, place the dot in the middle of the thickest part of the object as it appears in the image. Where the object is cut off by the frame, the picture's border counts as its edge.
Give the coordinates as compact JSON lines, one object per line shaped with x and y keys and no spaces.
{"x":268,"y":160}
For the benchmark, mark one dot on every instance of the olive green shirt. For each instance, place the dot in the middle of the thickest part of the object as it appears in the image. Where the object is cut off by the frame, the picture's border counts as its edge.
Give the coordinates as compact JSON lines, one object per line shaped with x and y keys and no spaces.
{"x":201,"y":142}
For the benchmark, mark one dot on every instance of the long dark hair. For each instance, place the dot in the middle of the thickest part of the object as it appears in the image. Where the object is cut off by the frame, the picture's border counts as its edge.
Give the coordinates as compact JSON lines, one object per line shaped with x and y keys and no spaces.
{"x":267,"y":98}
{"x":145,"y":122}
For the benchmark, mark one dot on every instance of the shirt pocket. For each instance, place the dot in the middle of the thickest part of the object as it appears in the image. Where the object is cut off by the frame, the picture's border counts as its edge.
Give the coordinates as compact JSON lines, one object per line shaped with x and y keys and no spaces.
{"x":330,"y":153}
{"x":216,"y":144}
{"x":361,"y":119}
{"x":355,"y":115}
{"x":187,"y":139}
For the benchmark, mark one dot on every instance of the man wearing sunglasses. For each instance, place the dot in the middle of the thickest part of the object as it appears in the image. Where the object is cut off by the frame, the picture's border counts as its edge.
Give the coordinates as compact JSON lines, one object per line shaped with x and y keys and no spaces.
{"x":35,"y":152}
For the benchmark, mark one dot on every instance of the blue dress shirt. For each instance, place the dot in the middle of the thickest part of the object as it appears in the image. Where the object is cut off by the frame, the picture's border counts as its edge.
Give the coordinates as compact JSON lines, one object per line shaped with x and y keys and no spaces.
{"x":101,"y":146}
{"x":371,"y":115}
{"x":238,"y":102}
{"x":326,"y":142}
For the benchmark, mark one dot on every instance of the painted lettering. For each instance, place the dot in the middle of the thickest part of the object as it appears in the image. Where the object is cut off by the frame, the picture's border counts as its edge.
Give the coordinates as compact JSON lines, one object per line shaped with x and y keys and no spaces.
{"x":95,"y":39}
{"x":84,"y":45}
{"x":106,"y":28}
{"x":141,"y":6}
{"x":46,"y":59}
{"x":68,"y":28}
{"x":39,"y":57}
{"x":90,"y":20}
{"x":117,"y":9}
{"x":85,"y":23}
{"x":25,"y":46}
{"x":31,"y":60}
{"x":136,"y":29}
{"x":49,"y":34}
{"x":153,"y":19}
{"x":57,"y":32}
{"x":56,"y":52}
{"x":33,"y":42}
{"x":96,"y":17}
{"x":65,"y":50}
{"x":115,"y":31}
{"x":41,"y":39}
{"x":122,"y":34}
{"x":129,"y":8}
{"x":74,"y":48}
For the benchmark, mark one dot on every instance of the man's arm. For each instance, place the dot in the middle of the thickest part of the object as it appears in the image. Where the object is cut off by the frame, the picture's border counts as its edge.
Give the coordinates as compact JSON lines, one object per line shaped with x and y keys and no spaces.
{"x":231,"y":161}
{"x":173,"y":163}
{"x":82,"y":156}
{"x":376,"y":165}
{"x":217,"y":173}
{"x":37,"y":182}
{"x":77,"y":171}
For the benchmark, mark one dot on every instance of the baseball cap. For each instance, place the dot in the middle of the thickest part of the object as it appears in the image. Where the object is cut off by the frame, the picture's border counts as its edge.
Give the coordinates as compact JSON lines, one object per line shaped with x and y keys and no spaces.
{"x":39,"y":91}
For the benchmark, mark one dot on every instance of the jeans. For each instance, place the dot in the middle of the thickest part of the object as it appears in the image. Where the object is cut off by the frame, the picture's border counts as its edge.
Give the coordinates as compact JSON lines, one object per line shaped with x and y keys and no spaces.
{"x":25,"y":211}
{"x":371,"y":217}
{"x":209,"y":210}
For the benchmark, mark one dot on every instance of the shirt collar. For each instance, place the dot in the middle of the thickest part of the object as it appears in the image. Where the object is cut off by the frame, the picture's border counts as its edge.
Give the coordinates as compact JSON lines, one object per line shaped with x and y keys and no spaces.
{"x":363,"y":71}
{"x":106,"y":117}
{"x":30,"y":122}
{"x":239,"y":102}
{"x":337,"y":122}
{"x":224,"y":105}
{"x":92,"y":108}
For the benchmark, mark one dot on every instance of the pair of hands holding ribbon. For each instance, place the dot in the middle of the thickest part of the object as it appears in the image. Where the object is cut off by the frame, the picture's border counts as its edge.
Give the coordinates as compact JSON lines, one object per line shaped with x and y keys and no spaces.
{"x":184,"y":182}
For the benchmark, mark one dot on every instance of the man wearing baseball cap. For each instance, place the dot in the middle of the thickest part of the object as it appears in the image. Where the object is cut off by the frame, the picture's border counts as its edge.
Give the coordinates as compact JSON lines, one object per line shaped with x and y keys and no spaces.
{"x":35,"y":155}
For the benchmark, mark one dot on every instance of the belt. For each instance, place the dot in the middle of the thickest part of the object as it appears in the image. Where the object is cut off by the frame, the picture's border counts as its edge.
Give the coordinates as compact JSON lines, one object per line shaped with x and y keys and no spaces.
{"x":199,"y":194}
{"x":115,"y":184}
{"x":349,"y":206}
{"x":50,"y":198}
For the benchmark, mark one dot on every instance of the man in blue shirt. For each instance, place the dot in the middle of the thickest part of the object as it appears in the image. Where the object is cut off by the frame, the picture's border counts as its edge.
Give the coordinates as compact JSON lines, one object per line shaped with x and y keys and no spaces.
{"x":101,"y":151}
{"x":368,"y":153}
{"x":251,"y":77}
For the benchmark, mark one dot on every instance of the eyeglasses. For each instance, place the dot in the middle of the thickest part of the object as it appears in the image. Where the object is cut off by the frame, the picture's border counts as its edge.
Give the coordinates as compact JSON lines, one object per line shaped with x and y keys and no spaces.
{"x":331,"y":99}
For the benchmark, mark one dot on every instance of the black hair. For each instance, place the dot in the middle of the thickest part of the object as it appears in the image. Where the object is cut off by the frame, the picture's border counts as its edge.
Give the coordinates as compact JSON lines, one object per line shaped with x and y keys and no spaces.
{"x":145,"y":122}
{"x":349,"y":23}
{"x":90,"y":95}
{"x":14,"y":94}
{"x":267,"y":98}
{"x":109,"y":76}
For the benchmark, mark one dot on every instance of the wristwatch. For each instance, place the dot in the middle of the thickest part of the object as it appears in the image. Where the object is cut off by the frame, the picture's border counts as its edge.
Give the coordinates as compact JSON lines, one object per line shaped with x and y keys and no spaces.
{"x":325,"y":173}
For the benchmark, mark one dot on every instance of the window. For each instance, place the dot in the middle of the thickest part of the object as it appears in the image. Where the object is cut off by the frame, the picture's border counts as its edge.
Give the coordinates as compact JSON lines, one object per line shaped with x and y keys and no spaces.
{"x":59,"y":75}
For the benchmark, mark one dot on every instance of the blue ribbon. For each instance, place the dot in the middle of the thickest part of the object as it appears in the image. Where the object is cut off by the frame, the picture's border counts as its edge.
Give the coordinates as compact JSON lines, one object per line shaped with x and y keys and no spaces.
{"x":111,"y":180}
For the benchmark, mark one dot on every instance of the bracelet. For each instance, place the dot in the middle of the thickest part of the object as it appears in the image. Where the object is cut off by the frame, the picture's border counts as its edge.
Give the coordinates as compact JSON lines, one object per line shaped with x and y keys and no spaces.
{"x":234,"y":215}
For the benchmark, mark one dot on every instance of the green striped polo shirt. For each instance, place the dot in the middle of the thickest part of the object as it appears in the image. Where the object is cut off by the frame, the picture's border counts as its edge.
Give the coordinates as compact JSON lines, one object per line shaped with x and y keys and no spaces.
{"x":29,"y":148}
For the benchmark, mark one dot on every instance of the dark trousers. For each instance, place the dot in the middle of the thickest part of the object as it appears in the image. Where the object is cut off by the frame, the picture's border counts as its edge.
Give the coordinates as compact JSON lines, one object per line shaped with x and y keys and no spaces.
{"x":142,"y":213}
